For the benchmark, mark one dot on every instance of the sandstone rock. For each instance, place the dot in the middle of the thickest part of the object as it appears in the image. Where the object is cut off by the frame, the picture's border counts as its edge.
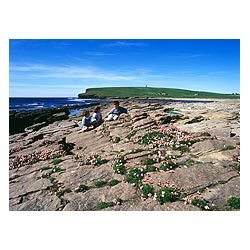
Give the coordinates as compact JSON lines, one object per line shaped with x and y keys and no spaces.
{"x":39,"y":201}
{"x":218,"y":195}
{"x":28,"y":185}
{"x":18,"y":121}
{"x":85,"y":201}
{"x":212,"y":164}
{"x":199,"y":176}
{"x":35,"y":127}
{"x":195,"y":120}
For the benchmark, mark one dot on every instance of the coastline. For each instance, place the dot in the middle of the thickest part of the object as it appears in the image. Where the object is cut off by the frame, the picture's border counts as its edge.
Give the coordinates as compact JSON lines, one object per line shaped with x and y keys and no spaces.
{"x":19,"y":120}
{"x":26,"y":118}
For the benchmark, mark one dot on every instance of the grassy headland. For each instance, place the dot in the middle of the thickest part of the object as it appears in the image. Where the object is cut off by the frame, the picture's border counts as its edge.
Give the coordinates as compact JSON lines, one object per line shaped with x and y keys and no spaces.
{"x":148,"y":92}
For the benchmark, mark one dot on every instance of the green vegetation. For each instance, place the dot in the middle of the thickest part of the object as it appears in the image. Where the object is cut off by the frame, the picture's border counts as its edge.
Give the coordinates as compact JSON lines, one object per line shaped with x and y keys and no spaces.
{"x":45,"y":168}
{"x":147,"y":190}
{"x":171,"y":137}
{"x":169,"y":165}
{"x":113,"y":182}
{"x":51,"y":179}
{"x":134,"y":151}
{"x":135,"y":176}
{"x":191,"y":162}
{"x":94,"y":159}
{"x":181,"y":148}
{"x":229,"y":147}
{"x":150,"y":168}
{"x":61,"y":192}
{"x":131,"y":134}
{"x":206,"y":133}
{"x":100,"y":183}
{"x":147,"y":92}
{"x":167,"y":195}
{"x":117,"y":139}
{"x":148,"y":161}
{"x":200,"y":203}
{"x":119,"y":166}
{"x":55,"y":162}
{"x":118,"y":201}
{"x":103,"y":205}
{"x":81,"y":188}
{"x":234,"y":202}
{"x":57,"y":170}
{"x":151,"y":137}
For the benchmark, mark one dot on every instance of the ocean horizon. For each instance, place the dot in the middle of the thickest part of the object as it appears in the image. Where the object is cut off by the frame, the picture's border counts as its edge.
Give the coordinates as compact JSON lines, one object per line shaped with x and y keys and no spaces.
{"x":33,"y":103}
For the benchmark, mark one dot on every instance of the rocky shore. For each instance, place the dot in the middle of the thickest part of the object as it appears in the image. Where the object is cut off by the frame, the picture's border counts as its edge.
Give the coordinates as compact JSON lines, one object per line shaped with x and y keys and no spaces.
{"x":174,"y":156}
{"x":36,"y":119}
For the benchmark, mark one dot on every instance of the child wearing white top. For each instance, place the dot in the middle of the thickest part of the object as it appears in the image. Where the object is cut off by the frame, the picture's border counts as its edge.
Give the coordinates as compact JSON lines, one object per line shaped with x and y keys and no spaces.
{"x":86,"y":122}
{"x":96,"y":118}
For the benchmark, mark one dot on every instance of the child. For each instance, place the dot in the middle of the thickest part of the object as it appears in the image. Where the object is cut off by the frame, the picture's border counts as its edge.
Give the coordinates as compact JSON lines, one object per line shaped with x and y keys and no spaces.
{"x":86,"y":122}
{"x":96,"y":118}
{"x":115,"y":112}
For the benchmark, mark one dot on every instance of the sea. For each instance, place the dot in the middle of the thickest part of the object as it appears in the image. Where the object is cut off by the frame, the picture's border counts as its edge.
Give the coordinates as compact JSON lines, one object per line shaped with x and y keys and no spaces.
{"x":32,"y":103}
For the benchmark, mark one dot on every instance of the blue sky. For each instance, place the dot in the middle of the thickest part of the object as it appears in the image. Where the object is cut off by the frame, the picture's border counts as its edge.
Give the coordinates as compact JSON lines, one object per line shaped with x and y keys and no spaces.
{"x":56,"y":67}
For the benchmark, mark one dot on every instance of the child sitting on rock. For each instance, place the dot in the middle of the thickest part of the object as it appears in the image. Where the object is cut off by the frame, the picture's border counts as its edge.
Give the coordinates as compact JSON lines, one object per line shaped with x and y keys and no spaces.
{"x":114,"y":113}
{"x":96,"y":118}
{"x":86,"y":122}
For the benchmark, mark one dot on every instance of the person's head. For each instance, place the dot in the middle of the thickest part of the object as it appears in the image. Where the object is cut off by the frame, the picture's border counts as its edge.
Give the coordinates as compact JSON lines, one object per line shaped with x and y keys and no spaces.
{"x":97,"y":109}
{"x":115,"y":104}
{"x":86,"y":113}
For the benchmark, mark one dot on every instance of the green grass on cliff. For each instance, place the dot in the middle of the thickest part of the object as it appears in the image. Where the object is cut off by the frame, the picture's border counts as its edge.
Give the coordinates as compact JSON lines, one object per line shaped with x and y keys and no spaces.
{"x":147,"y":92}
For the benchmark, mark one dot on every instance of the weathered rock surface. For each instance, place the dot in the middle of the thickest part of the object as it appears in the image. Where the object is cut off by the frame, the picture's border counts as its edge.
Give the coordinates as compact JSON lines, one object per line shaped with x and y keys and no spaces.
{"x":33,"y":120}
{"x":43,"y":176}
{"x":41,"y":117}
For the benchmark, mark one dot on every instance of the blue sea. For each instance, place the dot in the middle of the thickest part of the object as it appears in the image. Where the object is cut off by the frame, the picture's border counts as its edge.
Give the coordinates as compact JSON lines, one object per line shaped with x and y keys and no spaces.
{"x":32,"y":103}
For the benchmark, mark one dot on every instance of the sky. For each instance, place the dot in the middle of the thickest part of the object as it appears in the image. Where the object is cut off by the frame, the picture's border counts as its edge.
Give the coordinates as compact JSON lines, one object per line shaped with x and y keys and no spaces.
{"x":66,"y":67}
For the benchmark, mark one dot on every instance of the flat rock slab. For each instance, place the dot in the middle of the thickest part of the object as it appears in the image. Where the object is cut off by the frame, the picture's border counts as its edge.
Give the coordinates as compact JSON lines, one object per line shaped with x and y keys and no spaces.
{"x":86,"y":175}
{"x":215,"y":157}
{"x":220,"y":194}
{"x":194,"y":178}
{"x":39,"y":201}
{"x":28,"y":185}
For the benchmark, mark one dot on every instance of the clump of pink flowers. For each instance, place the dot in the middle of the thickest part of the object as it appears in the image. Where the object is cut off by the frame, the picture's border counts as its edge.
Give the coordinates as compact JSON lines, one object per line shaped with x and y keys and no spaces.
{"x":166,"y":137}
{"x":94,"y":159}
{"x":28,"y":159}
{"x":147,"y":178}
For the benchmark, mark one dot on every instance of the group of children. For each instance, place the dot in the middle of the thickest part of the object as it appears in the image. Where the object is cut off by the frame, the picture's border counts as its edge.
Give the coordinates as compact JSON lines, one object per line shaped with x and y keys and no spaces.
{"x":90,"y":122}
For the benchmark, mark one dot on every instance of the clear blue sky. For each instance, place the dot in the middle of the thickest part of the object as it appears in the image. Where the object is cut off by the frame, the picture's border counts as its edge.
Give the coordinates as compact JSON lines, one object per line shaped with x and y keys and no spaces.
{"x":56,"y":67}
